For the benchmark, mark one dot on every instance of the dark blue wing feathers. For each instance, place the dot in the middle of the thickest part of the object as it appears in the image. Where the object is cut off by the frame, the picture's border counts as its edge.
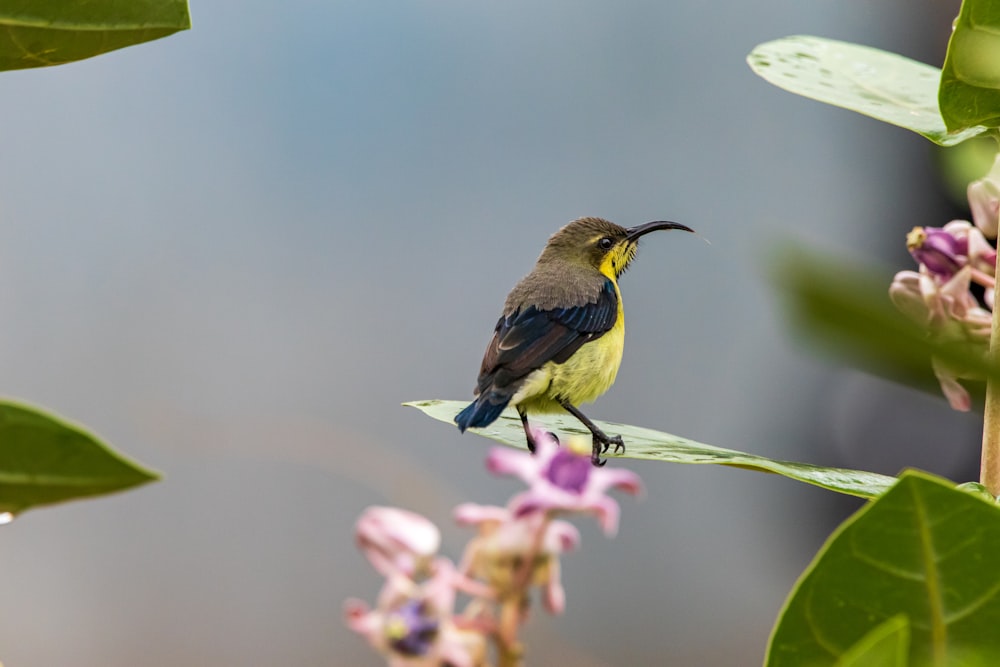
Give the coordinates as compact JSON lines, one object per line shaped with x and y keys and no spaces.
{"x":525,"y":341}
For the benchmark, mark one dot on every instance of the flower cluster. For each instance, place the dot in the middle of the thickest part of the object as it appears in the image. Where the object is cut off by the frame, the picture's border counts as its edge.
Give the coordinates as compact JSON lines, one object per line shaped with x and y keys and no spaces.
{"x":939,"y":295}
{"x":516,"y":548}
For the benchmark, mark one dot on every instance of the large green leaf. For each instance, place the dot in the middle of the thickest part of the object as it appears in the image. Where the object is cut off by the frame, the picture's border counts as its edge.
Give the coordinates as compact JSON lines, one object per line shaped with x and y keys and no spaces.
{"x":970,"y":83}
{"x":846,"y":309}
{"x":923,"y":550}
{"x":888,"y":645}
{"x":644,"y":443}
{"x":876,"y":83}
{"x":44,"y":460}
{"x":38,"y":33}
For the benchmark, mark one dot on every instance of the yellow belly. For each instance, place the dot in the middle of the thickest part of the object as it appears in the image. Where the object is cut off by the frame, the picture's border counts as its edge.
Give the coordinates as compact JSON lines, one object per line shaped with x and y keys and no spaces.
{"x":580,"y":379}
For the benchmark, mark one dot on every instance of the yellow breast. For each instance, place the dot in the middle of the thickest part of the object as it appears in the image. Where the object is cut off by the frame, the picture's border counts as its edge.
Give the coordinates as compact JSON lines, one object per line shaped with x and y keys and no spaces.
{"x":583,"y":377}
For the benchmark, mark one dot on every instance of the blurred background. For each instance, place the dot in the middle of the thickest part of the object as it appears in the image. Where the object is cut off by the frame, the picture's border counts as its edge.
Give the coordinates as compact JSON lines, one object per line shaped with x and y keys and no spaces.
{"x":234,"y":252}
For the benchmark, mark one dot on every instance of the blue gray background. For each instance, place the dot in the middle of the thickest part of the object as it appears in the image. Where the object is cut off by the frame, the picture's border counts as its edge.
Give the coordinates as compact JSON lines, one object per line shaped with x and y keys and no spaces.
{"x":234,"y":252}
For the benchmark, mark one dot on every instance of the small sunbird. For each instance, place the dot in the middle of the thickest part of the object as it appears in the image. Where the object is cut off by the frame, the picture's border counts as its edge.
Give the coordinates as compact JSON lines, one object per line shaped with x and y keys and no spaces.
{"x":560,"y":338}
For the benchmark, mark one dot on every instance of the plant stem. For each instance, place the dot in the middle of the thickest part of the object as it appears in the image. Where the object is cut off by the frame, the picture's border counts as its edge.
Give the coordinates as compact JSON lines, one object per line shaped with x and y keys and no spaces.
{"x":989,"y":471}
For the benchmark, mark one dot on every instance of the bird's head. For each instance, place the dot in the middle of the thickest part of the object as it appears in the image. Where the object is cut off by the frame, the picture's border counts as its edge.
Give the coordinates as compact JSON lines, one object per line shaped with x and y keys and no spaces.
{"x":600,"y":244}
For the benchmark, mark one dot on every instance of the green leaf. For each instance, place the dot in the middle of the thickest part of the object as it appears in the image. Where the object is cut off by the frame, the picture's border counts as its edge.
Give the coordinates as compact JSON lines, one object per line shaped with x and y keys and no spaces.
{"x":644,"y":443}
{"x":875,"y":83}
{"x":45,"y":460}
{"x":970,"y":83}
{"x":886,"y":646}
{"x":36,"y":33}
{"x":923,"y":550}
{"x":846,"y":309}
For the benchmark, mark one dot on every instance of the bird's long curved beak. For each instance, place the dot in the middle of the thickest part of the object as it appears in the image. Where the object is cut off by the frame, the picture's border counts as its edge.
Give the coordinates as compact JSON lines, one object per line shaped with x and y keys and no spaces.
{"x":633,"y":233}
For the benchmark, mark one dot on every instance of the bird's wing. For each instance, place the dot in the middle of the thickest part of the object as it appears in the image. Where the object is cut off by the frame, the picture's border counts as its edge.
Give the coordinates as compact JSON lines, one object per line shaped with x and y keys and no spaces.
{"x":528,"y":338}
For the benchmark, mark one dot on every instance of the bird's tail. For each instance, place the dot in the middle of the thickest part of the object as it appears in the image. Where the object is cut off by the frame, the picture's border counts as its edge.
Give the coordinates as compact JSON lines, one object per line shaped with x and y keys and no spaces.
{"x":482,"y":412}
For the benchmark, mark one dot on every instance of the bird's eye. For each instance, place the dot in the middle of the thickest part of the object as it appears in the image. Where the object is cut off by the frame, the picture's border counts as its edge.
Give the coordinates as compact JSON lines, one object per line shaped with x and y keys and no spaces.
{"x":605,"y":243}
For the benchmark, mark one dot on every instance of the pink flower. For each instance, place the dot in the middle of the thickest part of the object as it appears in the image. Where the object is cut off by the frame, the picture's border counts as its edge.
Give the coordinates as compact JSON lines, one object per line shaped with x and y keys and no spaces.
{"x":414,"y":626}
{"x":951,"y":315}
{"x":941,"y":252}
{"x":562,"y":479}
{"x":984,"y":200}
{"x":506,"y":543}
{"x":978,"y":252}
{"x":948,"y":309}
{"x":396,"y":542}
{"x":906,"y":294}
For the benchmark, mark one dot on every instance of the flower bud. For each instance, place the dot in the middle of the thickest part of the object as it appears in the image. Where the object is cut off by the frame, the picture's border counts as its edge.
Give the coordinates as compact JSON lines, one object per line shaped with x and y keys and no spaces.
{"x":984,"y":201}
{"x":938,"y":250}
{"x":396,"y":541}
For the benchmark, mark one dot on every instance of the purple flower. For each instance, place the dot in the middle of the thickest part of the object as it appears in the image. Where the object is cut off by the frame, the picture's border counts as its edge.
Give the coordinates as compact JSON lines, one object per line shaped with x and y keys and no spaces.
{"x":940,"y":251}
{"x":413,"y":625}
{"x":411,"y":628}
{"x":561,"y":479}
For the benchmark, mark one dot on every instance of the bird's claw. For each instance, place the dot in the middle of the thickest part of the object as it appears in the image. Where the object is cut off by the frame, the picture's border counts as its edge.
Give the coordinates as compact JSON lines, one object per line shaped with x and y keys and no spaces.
{"x":532,"y":446}
{"x":616,"y":441}
{"x":602,"y":444}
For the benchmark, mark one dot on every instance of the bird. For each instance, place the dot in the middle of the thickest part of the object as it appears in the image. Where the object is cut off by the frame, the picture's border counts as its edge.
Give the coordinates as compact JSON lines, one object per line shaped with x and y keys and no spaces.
{"x":559,"y":341}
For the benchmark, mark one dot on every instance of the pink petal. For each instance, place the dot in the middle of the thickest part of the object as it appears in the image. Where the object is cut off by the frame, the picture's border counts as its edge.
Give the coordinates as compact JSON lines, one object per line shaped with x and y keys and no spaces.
{"x":462,"y":648}
{"x":472,"y":514}
{"x":984,"y":201}
{"x":958,"y":284}
{"x":982,"y":255}
{"x":361,"y":619}
{"x":454,"y":654}
{"x":544,"y":439}
{"x":504,"y":461}
{"x":906,"y":296}
{"x":607,"y":512}
{"x":615,"y":478}
{"x":562,"y":536}
{"x":394,"y":539}
{"x":526,"y":503}
{"x":554,"y":594}
{"x":439,"y":590}
{"x":958,"y":397}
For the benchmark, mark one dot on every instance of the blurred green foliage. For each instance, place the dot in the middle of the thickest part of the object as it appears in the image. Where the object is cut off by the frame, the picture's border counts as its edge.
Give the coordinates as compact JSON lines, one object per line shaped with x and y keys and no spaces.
{"x":53,"y":32}
{"x":45,"y":460}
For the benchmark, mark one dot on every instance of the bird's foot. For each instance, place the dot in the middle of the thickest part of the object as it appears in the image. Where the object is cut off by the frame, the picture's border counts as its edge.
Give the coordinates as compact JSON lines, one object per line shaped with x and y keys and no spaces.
{"x":602,"y":442}
{"x":530,"y":440}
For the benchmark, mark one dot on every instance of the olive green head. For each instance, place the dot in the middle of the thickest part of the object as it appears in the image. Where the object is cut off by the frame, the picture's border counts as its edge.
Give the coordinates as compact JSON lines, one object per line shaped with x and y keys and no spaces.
{"x":600,"y":244}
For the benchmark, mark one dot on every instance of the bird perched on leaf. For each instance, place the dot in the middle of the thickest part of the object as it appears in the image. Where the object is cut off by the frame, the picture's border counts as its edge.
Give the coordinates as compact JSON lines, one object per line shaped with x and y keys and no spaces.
{"x":559,"y":341}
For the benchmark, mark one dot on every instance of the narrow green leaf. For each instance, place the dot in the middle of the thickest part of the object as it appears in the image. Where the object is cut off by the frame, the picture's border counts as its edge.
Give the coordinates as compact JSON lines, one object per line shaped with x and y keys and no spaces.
{"x":847,"y":310}
{"x":970,"y":83}
{"x":875,"y":83}
{"x":45,"y":460}
{"x":888,"y":645}
{"x":38,"y":34}
{"x":923,"y":550}
{"x":644,"y":443}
